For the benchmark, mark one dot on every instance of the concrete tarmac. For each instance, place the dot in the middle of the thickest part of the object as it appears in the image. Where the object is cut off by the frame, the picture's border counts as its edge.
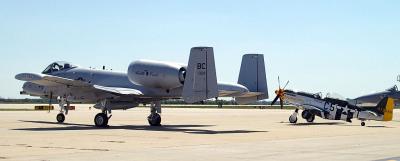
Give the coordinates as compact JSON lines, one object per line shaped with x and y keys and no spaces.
{"x":192,"y":135}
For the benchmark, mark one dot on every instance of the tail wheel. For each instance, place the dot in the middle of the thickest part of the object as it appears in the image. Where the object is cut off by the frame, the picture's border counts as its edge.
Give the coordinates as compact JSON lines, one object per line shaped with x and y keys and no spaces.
{"x":363,"y":123}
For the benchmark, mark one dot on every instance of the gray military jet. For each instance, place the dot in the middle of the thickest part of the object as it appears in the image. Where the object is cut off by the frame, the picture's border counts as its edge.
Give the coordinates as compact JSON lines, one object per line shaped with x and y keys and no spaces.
{"x":145,"y":82}
{"x":392,"y":92}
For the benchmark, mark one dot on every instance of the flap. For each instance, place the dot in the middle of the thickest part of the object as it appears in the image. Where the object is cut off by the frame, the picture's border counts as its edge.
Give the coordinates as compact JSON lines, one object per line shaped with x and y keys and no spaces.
{"x":118,"y":90}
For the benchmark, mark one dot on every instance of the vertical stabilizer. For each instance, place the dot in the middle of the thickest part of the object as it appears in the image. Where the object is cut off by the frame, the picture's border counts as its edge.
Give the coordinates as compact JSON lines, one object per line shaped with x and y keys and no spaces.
{"x":201,"y":80}
{"x":385,"y":107}
{"x":252,"y":76}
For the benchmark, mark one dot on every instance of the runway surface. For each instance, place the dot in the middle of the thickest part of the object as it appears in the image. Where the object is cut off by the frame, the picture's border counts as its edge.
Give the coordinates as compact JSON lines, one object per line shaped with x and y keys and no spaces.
{"x":192,"y":134}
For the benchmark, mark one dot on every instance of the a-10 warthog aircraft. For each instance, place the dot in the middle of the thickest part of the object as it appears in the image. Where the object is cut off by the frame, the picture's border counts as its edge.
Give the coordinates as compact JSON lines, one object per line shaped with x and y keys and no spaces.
{"x":333,"y":108}
{"x":146,"y":82}
{"x":392,"y":92}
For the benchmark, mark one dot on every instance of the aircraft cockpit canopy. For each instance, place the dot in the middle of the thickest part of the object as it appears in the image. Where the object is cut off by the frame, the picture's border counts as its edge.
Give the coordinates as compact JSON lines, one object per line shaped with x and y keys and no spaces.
{"x":335,"y":96}
{"x":314,"y":95}
{"x":58,"y":66}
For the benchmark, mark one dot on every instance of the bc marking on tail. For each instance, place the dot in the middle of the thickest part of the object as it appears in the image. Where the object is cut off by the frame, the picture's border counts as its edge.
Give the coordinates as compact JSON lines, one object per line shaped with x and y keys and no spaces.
{"x":201,"y":80}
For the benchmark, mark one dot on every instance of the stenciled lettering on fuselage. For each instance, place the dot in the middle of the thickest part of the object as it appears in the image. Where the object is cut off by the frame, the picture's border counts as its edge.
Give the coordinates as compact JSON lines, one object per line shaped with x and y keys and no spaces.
{"x":146,"y":73}
{"x":337,"y":112}
{"x":201,"y":69}
{"x":201,"y":66}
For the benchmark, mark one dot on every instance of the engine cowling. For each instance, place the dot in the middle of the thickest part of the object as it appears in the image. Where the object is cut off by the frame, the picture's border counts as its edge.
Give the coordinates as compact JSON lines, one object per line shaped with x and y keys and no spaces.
{"x":157,"y":74}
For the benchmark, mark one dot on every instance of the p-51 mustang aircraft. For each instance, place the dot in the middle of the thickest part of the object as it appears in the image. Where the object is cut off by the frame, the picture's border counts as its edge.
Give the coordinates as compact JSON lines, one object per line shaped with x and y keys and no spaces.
{"x":146,"y":82}
{"x":332,"y":108}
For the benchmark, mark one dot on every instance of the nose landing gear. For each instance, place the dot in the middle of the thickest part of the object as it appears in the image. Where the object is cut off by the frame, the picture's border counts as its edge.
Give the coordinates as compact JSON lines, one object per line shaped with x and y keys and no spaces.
{"x":154,"y":118}
{"x":61,"y":102}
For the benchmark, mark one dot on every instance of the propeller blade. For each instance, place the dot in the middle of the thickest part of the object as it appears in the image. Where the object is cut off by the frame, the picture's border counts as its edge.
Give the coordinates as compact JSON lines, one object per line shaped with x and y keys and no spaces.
{"x":286,"y":84}
{"x":281,"y":102}
{"x":275,"y":99}
{"x":279,"y":82}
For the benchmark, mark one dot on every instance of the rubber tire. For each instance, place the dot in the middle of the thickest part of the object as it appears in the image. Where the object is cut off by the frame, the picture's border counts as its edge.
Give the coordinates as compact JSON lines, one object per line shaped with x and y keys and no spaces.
{"x":291,"y":119}
{"x":362,"y":123}
{"x":305,"y":114}
{"x":154,"y":119}
{"x":311,"y":119}
{"x":98,"y":118}
{"x":60,"y":118}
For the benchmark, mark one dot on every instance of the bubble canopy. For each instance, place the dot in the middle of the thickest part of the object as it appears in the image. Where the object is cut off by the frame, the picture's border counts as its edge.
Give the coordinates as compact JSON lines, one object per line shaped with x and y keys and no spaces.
{"x":58,"y":66}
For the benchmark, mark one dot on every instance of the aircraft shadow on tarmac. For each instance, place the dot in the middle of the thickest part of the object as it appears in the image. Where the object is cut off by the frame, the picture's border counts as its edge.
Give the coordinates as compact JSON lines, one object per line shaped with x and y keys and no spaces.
{"x":191,"y":129}
{"x":314,"y":124}
{"x":333,"y":123}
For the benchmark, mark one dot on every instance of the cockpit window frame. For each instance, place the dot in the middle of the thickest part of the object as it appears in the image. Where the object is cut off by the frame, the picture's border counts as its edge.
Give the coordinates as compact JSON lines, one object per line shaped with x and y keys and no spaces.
{"x":58,"y":66}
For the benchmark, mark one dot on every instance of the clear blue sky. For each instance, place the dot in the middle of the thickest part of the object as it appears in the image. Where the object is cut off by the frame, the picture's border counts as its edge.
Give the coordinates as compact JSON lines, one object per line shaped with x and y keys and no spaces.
{"x":349,"y":47}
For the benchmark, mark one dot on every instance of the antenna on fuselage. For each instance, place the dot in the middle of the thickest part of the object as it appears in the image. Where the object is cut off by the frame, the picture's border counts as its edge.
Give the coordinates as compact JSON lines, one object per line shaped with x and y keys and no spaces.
{"x":398,"y":78}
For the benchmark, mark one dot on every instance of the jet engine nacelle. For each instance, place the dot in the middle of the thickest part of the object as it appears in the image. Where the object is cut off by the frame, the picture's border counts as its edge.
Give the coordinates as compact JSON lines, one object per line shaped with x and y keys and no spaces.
{"x":157,"y":74}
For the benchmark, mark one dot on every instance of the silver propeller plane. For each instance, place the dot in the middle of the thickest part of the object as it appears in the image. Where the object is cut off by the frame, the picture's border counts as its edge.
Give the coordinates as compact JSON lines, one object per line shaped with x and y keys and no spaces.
{"x":332,"y":108}
{"x":145,"y":82}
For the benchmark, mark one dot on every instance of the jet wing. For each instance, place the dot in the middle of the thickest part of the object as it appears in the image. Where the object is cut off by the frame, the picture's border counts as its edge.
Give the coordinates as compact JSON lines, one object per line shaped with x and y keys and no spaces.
{"x":118,"y":90}
{"x":49,"y":80}
{"x":251,"y":94}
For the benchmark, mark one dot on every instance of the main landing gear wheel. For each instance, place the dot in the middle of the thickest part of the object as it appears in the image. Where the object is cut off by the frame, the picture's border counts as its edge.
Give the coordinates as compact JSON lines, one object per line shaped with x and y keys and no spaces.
{"x":154,"y":119}
{"x":60,"y":118}
{"x":305,"y":114}
{"x":310,"y":119}
{"x":292,"y":119}
{"x":363,"y":123}
{"x":101,"y":120}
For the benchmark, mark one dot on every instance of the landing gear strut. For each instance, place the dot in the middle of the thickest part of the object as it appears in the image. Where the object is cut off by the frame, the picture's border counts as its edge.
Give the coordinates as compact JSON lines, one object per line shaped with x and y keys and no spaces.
{"x":154,"y":118}
{"x":293,"y":117}
{"x":101,"y":119}
{"x":61,"y":102}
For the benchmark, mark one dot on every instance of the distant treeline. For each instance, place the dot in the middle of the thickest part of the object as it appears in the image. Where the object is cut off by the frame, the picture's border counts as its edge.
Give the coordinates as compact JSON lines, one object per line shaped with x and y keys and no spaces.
{"x":24,"y":101}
